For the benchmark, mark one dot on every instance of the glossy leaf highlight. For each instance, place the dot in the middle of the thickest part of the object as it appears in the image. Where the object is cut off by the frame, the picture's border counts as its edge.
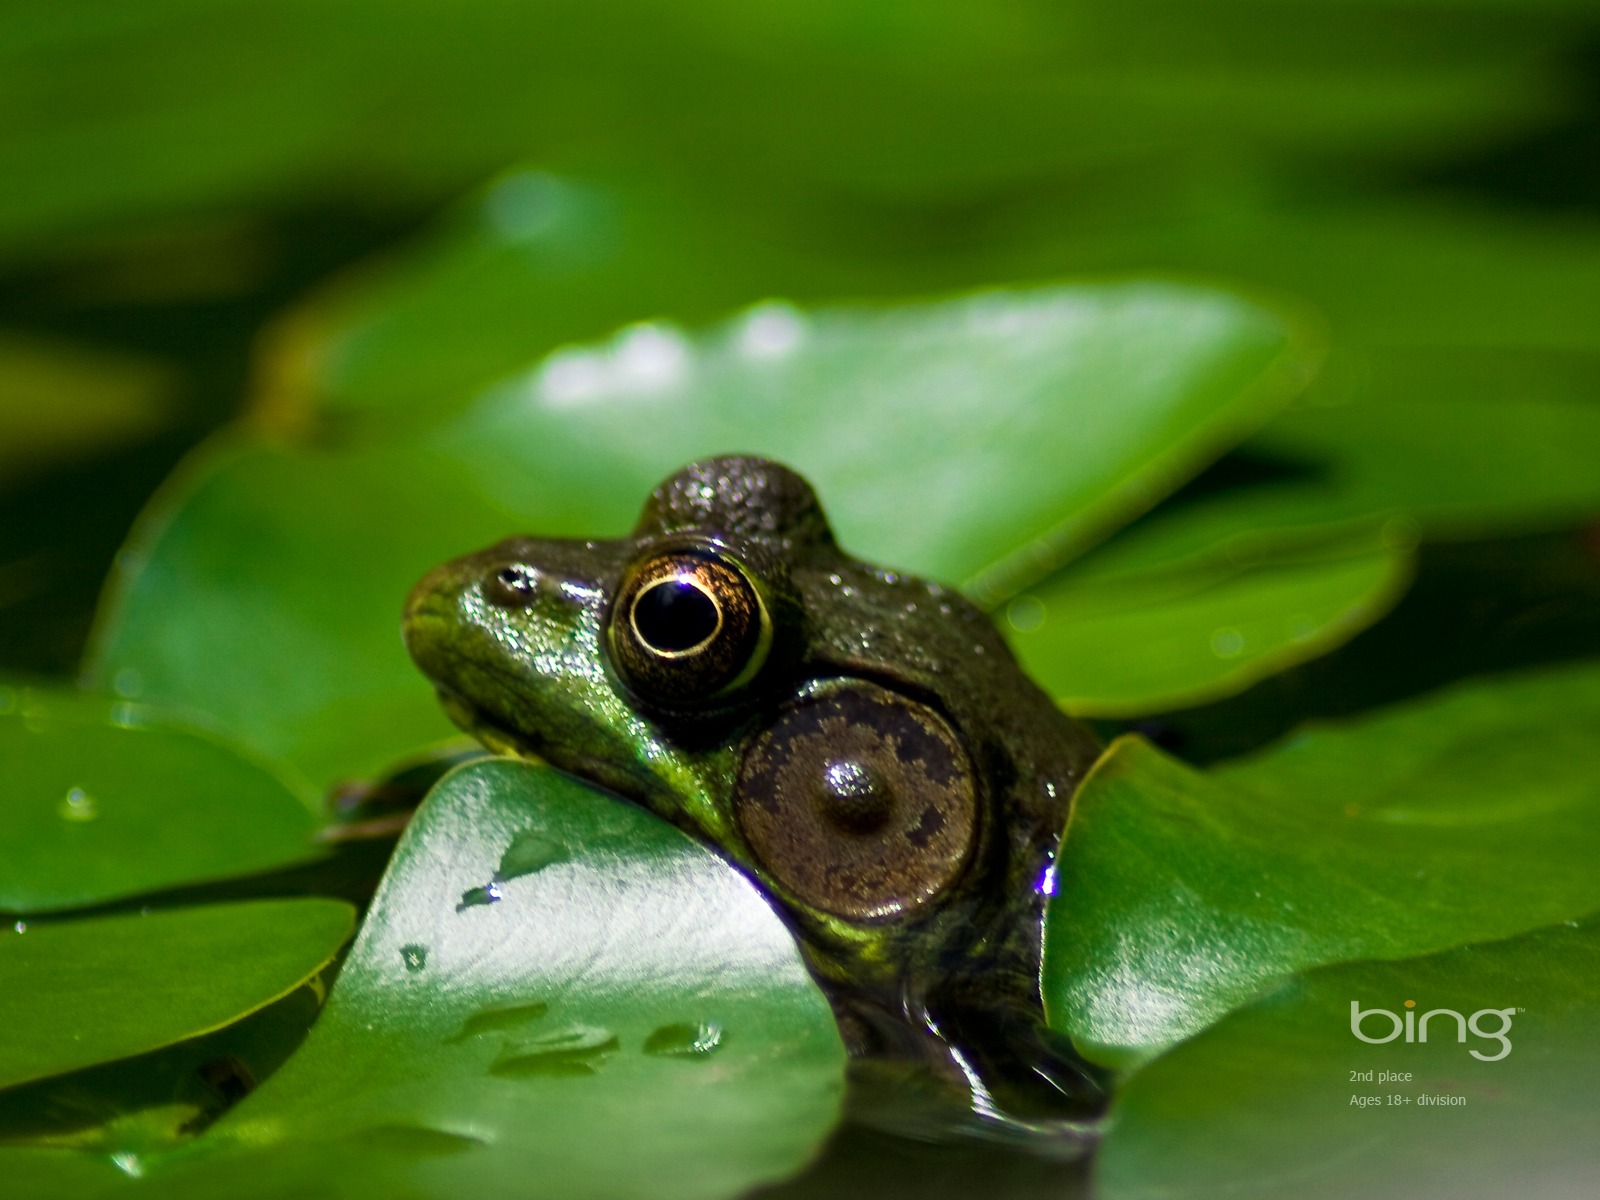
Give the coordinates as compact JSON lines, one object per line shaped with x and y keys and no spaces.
{"x":469,"y":1049}
{"x":1183,"y":894}
{"x":75,"y":993}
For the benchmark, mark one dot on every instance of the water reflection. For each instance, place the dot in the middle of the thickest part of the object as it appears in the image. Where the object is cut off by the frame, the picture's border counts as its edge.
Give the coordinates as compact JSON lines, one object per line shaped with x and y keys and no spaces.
{"x":858,"y":1163}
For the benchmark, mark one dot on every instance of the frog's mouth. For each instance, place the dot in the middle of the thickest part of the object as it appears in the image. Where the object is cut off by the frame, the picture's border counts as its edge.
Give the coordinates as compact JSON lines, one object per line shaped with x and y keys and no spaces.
{"x":495,"y":736}
{"x":498,"y":737}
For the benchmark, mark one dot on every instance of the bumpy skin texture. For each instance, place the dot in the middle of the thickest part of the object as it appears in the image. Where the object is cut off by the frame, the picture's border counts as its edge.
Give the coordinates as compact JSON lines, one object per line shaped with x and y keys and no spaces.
{"x":959,"y":969}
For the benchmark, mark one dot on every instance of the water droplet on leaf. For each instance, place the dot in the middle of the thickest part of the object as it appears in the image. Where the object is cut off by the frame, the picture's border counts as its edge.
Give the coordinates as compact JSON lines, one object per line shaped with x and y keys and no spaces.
{"x":414,"y":1139}
{"x":414,"y":956}
{"x":489,"y":1020}
{"x":531,"y":850}
{"x":1227,"y":643}
{"x":78,"y":805}
{"x":1025,"y":614}
{"x":575,"y":1050}
{"x":683,"y":1039}
{"x":489,"y":893}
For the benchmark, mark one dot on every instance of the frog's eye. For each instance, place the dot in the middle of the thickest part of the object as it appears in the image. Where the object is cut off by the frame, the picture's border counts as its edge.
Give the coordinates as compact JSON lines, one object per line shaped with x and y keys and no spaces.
{"x":687,"y":628}
{"x":859,"y":802}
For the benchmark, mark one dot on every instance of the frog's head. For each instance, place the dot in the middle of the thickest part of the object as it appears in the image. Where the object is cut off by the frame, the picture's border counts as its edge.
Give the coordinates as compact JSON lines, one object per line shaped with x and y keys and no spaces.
{"x":858,"y":740}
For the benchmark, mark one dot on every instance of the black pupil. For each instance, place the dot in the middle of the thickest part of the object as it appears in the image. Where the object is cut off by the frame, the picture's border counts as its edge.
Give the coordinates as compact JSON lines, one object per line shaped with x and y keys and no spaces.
{"x":674,"y":615}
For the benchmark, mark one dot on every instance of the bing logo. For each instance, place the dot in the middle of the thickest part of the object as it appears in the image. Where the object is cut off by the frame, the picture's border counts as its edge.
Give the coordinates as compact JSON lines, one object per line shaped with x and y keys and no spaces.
{"x":1415,"y":1028}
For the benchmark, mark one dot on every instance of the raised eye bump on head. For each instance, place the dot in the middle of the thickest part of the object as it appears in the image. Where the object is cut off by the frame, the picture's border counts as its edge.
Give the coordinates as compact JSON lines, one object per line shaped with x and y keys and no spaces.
{"x":688,"y":627}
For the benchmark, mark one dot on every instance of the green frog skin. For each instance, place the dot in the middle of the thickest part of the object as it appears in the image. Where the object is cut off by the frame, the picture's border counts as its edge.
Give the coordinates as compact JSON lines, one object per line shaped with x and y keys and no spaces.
{"x":858,"y":741}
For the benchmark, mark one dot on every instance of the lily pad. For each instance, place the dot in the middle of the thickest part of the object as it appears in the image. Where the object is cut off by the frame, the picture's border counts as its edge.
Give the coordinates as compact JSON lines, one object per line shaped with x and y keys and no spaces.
{"x":132,"y":1107}
{"x":804,"y":104}
{"x":912,"y":421}
{"x":1282,"y":1091}
{"x":1461,"y":467}
{"x":41,"y":1174}
{"x":1394,"y":279}
{"x":293,"y":646}
{"x":469,"y":1049}
{"x":532,"y":262}
{"x":104,"y":800}
{"x":73,"y":993}
{"x":1148,"y":628}
{"x":1461,"y":388}
{"x":1182,"y":894}
{"x":263,"y":588}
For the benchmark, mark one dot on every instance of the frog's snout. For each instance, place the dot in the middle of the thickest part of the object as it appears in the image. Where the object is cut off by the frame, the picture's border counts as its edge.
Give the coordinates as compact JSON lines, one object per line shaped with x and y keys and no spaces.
{"x":428,"y":597}
{"x":429,"y":619}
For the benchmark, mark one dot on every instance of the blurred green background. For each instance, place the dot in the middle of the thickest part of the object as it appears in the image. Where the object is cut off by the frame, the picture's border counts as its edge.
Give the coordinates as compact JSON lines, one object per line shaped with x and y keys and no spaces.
{"x":322,"y":213}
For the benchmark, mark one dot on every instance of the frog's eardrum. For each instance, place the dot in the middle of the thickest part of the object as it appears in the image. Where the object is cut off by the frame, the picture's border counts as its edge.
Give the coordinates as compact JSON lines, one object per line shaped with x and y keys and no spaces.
{"x":859,"y":801}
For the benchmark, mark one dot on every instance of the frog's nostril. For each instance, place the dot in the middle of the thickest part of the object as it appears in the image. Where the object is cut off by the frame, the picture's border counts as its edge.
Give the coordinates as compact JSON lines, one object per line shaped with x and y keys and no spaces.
{"x":512,"y":585}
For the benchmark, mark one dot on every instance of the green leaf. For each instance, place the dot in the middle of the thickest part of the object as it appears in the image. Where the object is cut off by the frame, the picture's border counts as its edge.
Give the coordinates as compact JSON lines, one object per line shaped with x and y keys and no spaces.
{"x":1145,"y":627}
{"x":1462,"y":387}
{"x":918,"y":425}
{"x":75,"y":993}
{"x":1461,"y":467}
{"x":104,"y":800}
{"x":1462,"y":817}
{"x":533,"y":262}
{"x":179,"y":108}
{"x":468,"y":1048}
{"x":151,"y":1102}
{"x":295,"y":646}
{"x":1267,"y":1097}
{"x":41,"y":1174}
{"x":1425,"y":279}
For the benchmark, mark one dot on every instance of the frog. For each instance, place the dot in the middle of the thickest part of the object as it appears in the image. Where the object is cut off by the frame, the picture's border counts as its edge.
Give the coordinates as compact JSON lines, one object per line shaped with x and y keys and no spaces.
{"x":857,"y":740}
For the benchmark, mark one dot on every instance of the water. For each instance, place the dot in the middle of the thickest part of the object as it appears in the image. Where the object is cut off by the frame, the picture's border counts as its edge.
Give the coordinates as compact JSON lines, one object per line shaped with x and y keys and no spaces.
{"x":490,"y":1020}
{"x":684,"y":1040}
{"x":574,"y":1050}
{"x":78,"y":806}
{"x":415,"y":1139}
{"x":488,"y":893}
{"x":530,"y":851}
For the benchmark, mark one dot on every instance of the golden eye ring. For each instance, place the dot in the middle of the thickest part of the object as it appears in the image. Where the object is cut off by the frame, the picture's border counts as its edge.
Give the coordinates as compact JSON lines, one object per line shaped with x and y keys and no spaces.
{"x":688,"y":628}
{"x":675,"y":616}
